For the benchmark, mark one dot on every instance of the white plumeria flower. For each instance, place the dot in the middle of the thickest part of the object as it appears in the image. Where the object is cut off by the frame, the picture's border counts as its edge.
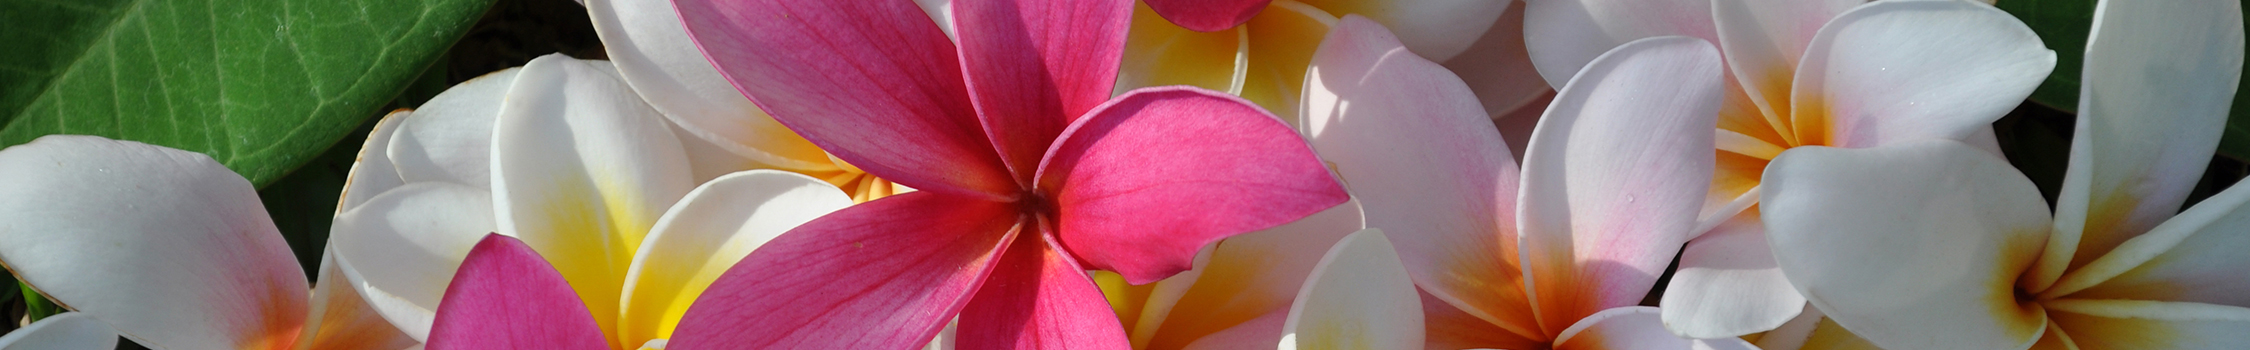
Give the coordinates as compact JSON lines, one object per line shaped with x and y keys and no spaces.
{"x":1840,"y":73}
{"x":564,"y":156}
{"x":1556,"y":258}
{"x":167,"y":248}
{"x":1938,"y":245}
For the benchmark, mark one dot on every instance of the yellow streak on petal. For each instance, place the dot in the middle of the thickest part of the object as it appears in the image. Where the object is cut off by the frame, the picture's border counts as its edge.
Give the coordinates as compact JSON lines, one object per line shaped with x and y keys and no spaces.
{"x":595,"y":243}
{"x":1158,"y":53}
{"x":1124,"y":298}
{"x":1281,"y":41}
{"x":1828,"y":335}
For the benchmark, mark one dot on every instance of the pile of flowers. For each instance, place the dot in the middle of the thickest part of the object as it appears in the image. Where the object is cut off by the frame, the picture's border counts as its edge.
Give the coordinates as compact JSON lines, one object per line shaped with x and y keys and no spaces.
{"x":1209,"y":174}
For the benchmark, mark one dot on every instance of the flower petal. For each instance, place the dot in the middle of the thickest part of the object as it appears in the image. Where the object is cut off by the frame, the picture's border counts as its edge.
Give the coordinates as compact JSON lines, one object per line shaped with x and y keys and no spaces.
{"x":655,"y":56}
{"x":1426,"y":164}
{"x":2194,"y":257}
{"x":507,"y":297}
{"x":1439,"y":30}
{"x":1448,"y":327}
{"x":1634,"y":327}
{"x":582,"y":169}
{"x":705,"y":234}
{"x":450,"y":137}
{"x":403,"y":246}
{"x":342,"y":318}
{"x":1728,"y":284}
{"x":872,"y":82}
{"x":1038,"y":298}
{"x":2140,"y":324}
{"x":1158,"y":53}
{"x":1563,"y":36}
{"x":887,"y":273}
{"x":1033,"y":66}
{"x":1616,"y":175}
{"x":1208,"y":15}
{"x":1359,"y":297}
{"x":1132,"y":183}
{"x":1764,"y":40}
{"x":1498,"y":69}
{"x":1913,"y":246}
{"x":372,"y":172}
{"x":167,"y":246}
{"x":1280,"y":44}
{"x":1249,"y":277}
{"x":1904,"y":70}
{"x":68,"y":330}
{"x":2158,"y":82}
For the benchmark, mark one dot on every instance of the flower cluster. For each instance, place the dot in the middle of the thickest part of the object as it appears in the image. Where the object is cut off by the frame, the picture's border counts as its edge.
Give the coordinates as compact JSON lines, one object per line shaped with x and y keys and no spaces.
{"x":1209,"y":174}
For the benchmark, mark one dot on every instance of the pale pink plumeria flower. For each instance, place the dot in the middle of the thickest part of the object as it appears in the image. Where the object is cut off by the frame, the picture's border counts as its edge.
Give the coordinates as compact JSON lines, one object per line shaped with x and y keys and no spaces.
{"x":1029,"y":174}
{"x":1939,"y":245}
{"x":167,"y":248}
{"x":1557,"y":258}
{"x":1840,"y":73}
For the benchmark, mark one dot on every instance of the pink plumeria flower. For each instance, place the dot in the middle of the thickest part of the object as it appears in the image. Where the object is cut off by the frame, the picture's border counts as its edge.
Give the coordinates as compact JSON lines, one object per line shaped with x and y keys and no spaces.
{"x":167,"y":248}
{"x":721,"y":130}
{"x":1556,"y":259}
{"x":1029,"y":173}
{"x":1840,"y":73}
{"x":1258,"y":49}
{"x":1939,"y":245}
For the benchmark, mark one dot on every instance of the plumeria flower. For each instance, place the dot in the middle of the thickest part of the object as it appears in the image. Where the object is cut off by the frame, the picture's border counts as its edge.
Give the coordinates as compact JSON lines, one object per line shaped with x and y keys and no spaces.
{"x":1258,"y":49}
{"x":1239,"y":291}
{"x":1838,"y":73}
{"x":722,"y":130}
{"x":167,"y":248}
{"x":1556,"y":258}
{"x":574,"y":165}
{"x":1029,"y":174}
{"x":1939,"y":245}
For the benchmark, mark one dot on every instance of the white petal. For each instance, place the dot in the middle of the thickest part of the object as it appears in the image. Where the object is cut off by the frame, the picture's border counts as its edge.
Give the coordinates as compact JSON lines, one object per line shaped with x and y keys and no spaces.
{"x":1913,"y":69}
{"x":1616,"y":176}
{"x":655,"y":55}
{"x":1244,"y":279}
{"x":582,"y":168}
{"x":1358,"y":297}
{"x":1912,"y":246}
{"x":402,"y":247}
{"x":69,"y":330}
{"x":1633,"y":327}
{"x":450,"y":138}
{"x":372,"y":172}
{"x":706,"y":233}
{"x":1437,"y":29}
{"x":344,"y":319}
{"x":2194,"y":257}
{"x":2159,"y":79}
{"x":1498,"y":69}
{"x":1564,"y":35}
{"x":2140,"y":324}
{"x":167,"y":246}
{"x":1764,"y":39}
{"x":1728,"y":284}
{"x":1411,"y":144}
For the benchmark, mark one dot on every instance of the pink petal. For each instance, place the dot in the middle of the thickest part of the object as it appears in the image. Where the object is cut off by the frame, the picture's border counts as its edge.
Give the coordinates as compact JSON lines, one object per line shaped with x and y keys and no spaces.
{"x":1143,"y":182}
{"x":1616,"y":176}
{"x":1208,"y":15}
{"x":872,"y":82}
{"x":883,"y":274}
{"x":1033,"y":66}
{"x":1038,"y":298}
{"x":507,"y":297}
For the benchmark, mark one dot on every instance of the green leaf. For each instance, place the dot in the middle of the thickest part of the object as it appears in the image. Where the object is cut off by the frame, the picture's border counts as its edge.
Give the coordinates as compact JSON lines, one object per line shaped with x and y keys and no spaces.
{"x":262,"y":86}
{"x":36,"y":305}
{"x":2063,"y":26}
